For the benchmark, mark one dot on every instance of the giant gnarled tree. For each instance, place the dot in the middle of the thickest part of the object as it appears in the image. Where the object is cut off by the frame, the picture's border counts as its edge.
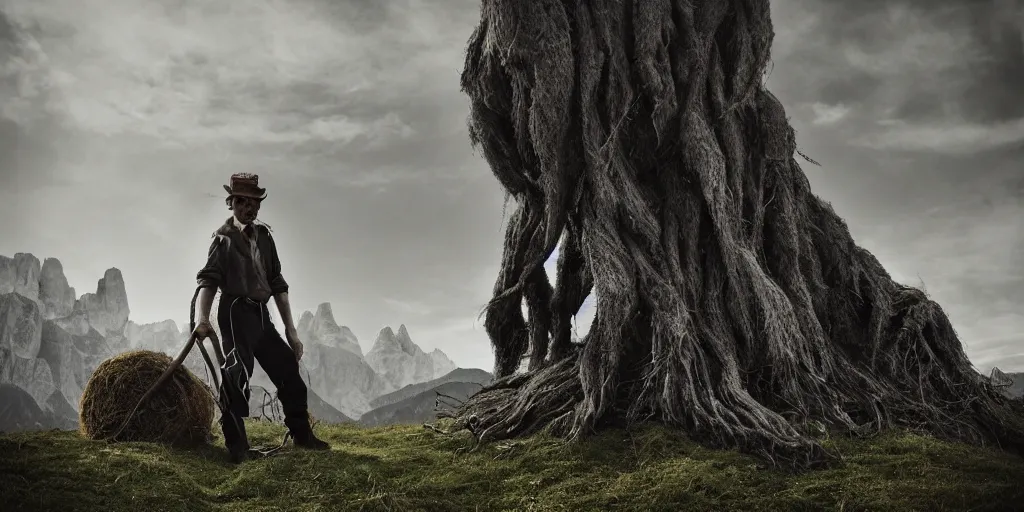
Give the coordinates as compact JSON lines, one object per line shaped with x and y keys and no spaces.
{"x":731,"y":301}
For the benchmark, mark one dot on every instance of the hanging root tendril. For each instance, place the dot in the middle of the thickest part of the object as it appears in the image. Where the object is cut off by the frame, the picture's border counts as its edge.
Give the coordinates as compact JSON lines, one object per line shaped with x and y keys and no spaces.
{"x":731,"y":302}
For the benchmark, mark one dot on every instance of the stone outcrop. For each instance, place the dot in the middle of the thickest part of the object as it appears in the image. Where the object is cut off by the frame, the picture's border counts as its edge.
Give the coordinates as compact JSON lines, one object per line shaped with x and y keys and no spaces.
{"x":442,"y":364}
{"x":401,"y":362}
{"x":51,"y":342}
{"x":167,"y":338}
{"x":160,"y":336}
{"x":325,"y":330}
{"x":342,"y":377}
{"x":20,"y":275}
{"x":21,"y":325}
{"x":73,"y":357}
{"x":21,"y":329}
{"x":1011,"y":383}
{"x":56,"y":296}
{"x":107,"y":310}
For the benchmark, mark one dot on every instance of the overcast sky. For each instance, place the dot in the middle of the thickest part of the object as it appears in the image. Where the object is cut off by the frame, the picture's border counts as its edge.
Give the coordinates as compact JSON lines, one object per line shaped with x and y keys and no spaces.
{"x":121,"y":119}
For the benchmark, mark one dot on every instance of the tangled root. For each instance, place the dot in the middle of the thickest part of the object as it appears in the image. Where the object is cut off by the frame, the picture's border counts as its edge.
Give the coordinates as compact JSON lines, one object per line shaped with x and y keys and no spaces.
{"x":731,"y":301}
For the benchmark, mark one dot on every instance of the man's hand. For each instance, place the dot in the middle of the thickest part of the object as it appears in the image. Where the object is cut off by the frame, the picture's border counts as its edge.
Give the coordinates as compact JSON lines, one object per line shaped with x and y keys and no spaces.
{"x":293,"y":339}
{"x":203,"y":330}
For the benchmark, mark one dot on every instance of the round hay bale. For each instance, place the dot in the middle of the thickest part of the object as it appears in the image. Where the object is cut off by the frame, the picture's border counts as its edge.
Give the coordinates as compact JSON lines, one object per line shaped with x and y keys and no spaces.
{"x":181,"y":411}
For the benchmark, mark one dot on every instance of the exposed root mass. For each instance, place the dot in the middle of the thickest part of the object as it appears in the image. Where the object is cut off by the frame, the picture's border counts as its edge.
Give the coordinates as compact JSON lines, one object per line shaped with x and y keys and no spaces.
{"x":731,"y":301}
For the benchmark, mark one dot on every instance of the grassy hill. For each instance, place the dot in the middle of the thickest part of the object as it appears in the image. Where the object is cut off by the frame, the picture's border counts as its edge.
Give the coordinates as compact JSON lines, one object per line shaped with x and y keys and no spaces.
{"x":410,"y":468}
{"x":474,"y":375}
{"x":417,"y":409}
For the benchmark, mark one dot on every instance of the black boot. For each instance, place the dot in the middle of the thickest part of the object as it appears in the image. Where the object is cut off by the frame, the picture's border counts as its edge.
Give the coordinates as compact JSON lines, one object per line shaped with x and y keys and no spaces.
{"x":235,"y":438}
{"x":303,"y":434}
{"x":309,"y":441}
{"x":238,"y":453}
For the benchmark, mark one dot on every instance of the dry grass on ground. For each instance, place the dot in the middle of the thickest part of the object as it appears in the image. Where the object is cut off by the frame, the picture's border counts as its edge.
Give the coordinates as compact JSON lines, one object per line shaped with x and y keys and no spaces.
{"x":410,"y":468}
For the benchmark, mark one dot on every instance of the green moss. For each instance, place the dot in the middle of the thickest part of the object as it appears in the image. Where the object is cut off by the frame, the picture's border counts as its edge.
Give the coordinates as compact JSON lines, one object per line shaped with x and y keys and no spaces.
{"x":409,"y":468}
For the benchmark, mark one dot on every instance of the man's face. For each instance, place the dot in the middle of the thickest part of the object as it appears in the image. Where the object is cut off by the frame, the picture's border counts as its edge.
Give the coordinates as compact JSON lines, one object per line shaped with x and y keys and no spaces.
{"x":245,"y":208}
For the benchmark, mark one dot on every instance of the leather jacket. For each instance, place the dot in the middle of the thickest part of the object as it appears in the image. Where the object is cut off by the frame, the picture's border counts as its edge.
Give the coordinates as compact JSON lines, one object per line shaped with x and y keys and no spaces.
{"x":230,"y":264}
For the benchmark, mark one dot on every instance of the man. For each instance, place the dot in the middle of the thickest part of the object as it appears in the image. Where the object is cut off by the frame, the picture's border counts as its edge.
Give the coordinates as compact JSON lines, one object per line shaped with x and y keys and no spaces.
{"x":244,"y":264}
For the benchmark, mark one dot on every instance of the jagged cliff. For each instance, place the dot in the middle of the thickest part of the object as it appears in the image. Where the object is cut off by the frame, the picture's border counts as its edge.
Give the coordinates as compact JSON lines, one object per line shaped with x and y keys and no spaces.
{"x":51,"y":341}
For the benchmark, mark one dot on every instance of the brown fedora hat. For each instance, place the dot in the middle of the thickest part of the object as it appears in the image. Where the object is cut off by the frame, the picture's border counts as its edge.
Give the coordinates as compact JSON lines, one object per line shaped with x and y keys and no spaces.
{"x":244,"y":184}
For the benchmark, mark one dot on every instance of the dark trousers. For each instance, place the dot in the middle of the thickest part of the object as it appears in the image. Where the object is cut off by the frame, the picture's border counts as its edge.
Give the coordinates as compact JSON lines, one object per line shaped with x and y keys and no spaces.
{"x":248,"y":335}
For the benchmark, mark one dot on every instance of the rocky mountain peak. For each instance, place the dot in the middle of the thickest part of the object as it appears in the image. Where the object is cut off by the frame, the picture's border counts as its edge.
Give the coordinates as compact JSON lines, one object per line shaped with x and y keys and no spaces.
{"x":50,"y":342}
{"x":305,"y":325}
{"x":386,"y":340}
{"x":53,"y":342}
{"x":399,"y":360}
{"x":348,"y":333}
{"x":20,"y":275}
{"x":442,"y":363}
{"x":107,"y":310}
{"x":162,"y":336}
{"x":325,"y":316}
{"x":43,"y":284}
{"x":164,"y":326}
{"x":406,"y":342}
{"x":111,"y":286}
{"x":55,"y":295}
{"x":323,"y":329}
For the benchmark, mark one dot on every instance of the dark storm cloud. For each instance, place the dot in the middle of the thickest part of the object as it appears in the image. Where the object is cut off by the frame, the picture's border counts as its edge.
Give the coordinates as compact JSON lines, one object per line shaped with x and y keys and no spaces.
{"x":920,"y":75}
{"x":970,"y":54}
{"x":28,"y":134}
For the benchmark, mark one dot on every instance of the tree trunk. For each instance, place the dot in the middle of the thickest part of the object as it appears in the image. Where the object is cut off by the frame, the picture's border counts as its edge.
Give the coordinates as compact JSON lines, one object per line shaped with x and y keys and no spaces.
{"x":731,"y":301}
